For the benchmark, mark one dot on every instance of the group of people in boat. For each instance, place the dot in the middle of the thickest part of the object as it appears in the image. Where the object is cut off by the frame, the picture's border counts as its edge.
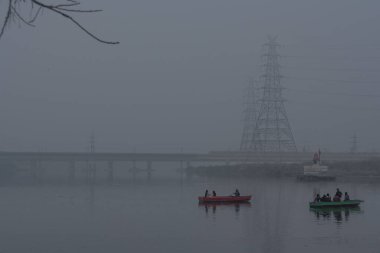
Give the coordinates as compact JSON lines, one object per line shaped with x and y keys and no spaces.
{"x":337,"y":197}
{"x":208,"y":195}
{"x":236,"y":193}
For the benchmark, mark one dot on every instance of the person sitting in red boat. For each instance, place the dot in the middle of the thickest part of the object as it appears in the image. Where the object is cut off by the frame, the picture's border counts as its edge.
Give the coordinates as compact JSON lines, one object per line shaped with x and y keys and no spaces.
{"x":213,"y":193}
{"x":237,"y":193}
{"x":206,"y":194}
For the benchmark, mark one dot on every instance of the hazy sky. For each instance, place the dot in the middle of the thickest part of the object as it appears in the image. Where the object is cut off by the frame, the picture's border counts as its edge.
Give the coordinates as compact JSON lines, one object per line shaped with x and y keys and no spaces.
{"x":177,"y":78}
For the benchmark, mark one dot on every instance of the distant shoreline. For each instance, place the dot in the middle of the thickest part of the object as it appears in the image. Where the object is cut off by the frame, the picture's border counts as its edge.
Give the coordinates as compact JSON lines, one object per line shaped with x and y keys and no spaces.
{"x":349,"y":170}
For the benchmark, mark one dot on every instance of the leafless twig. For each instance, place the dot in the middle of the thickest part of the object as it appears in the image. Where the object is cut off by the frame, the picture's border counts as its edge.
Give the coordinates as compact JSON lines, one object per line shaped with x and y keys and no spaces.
{"x":64,"y":9}
{"x":7,"y":18}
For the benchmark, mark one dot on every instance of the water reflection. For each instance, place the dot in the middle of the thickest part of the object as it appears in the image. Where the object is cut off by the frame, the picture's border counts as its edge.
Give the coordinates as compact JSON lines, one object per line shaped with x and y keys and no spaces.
{"x":339,"y":214}
{"x":214,"y":206}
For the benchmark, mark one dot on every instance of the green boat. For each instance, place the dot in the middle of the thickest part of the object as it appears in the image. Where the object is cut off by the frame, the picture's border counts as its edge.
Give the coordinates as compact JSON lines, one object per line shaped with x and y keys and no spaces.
{"x":335,"y":209}
{"x":346,"y":203}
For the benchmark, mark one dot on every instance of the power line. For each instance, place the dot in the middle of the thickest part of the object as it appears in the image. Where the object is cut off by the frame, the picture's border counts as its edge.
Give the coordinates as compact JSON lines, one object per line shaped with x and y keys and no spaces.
{"x":334,"y":46}
{"x":329,"y":106}
{"x":333,"y":69}
{"x":331,"y":80}
{"x":335,"y":93}
{"x":333,"y":57}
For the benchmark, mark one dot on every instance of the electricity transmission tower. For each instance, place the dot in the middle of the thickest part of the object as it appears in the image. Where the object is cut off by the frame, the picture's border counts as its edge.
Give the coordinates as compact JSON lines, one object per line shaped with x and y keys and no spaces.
{"x":92,"y":143}
{"x":91,"y":164}
{"x":272,"y":132}
{"x":354,"y":144}
{"x":249,"y":116}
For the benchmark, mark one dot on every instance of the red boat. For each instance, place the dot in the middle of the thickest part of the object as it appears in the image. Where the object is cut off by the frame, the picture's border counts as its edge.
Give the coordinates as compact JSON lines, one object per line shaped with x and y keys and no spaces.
{"x":233,"y":199}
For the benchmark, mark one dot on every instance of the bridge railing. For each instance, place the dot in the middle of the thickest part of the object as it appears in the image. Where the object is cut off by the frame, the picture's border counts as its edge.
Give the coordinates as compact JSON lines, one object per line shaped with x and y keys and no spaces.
{"x":214,"y":156}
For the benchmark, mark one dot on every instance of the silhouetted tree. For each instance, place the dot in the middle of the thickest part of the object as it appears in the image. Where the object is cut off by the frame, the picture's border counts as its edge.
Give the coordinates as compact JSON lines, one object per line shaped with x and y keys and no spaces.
{"x":65,"y":9}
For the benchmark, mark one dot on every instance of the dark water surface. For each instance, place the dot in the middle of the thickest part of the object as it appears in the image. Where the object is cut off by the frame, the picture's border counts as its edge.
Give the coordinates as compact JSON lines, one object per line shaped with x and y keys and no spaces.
{"x":163,"y":215}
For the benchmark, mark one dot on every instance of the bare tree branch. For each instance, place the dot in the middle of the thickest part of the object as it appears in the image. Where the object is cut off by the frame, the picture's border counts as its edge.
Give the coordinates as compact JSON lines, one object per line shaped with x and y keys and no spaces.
{"x":74,"y":10}
{"x":63,"y":9}
{"x":21,"y":18}
{"x":36,"y":15}
{"x":7,"y":18}
{"x":67,"y":5}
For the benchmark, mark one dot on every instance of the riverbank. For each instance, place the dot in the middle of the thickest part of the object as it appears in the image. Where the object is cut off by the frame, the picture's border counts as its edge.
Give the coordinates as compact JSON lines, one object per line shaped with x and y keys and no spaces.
{"x":357,"y":169}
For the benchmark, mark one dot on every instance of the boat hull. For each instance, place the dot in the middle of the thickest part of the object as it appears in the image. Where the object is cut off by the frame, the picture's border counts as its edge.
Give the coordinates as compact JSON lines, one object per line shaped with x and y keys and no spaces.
{"x":224,"y":199}
{"x":348,"y":203}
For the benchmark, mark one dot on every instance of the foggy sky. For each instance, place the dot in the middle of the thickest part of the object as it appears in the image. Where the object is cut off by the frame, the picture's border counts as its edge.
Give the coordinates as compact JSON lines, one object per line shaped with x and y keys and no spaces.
{"x":176,"y":80}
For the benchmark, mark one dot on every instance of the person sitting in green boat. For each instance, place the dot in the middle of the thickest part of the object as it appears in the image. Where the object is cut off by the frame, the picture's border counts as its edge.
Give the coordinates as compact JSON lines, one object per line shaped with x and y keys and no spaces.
{"x":336,"y":198}
{"x":346,"y":197}
{"x":324,"y":198}
{"x":338,"y":193}
{"x":317,"y":198}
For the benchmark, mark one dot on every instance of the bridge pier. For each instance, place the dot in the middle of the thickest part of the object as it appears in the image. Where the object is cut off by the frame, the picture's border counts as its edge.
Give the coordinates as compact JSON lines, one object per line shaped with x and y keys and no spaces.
{"x":110,"y":175}
{"x":90,"y":171}
{"x":71,"y":171}
{"x":93,"y":171}
{"x":149,"y":169}
{"x":36,"y":170}
{"x":134,"y":169}
{"x":33,"y":169}
{"x":184,"y":169}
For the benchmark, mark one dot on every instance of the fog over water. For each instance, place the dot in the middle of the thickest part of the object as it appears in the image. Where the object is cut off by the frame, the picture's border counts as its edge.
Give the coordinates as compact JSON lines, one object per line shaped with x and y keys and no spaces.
{"x":177,"y":78}
{"x":175,"y":83}
{"x":162,"y":214}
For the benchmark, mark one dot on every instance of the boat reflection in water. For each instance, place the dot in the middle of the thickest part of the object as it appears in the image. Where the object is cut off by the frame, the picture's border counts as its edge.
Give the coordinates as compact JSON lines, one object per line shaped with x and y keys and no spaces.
{"x":214,"y":206}
{"x":338,"y":213}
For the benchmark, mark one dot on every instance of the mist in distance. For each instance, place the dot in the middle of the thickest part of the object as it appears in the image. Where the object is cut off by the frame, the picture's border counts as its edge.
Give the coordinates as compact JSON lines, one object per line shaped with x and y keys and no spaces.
{"x":176,"y":81}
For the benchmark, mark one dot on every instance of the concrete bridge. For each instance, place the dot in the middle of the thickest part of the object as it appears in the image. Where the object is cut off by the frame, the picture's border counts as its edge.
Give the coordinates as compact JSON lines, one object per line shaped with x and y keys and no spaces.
{"x":31,"y":161}
{"x":211,"y":157}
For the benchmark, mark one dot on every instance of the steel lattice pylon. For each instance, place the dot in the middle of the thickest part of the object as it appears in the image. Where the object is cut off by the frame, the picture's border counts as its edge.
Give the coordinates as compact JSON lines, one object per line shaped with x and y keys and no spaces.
{"x":272,"y":132}
{"x":249,"y":116}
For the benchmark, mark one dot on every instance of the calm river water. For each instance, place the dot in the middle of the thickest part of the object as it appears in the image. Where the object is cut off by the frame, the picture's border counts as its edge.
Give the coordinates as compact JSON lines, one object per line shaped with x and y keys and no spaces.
{"x":162,"y":214}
